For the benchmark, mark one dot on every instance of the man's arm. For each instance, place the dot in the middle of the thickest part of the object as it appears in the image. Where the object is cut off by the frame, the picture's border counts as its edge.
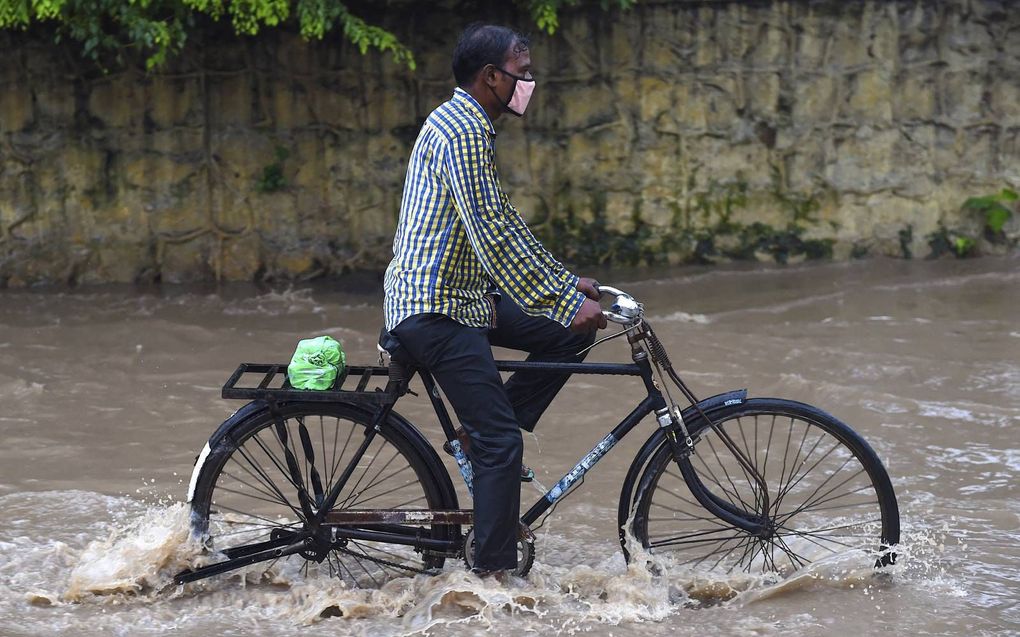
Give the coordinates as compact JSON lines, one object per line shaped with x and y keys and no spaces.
{"x":506,"y":254}
{"x":538,"y":249}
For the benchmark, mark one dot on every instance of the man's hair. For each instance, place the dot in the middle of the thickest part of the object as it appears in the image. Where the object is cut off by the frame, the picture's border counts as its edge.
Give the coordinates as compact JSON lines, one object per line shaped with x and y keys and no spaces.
{"x":482,"y":44}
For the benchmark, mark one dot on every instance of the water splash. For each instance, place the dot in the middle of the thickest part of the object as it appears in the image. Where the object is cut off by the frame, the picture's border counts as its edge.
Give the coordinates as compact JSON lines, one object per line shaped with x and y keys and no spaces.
{"x":141,"y":557}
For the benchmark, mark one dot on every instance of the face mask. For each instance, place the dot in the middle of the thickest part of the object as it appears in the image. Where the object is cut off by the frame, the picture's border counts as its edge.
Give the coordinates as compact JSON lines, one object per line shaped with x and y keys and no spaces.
{"x":523,"y":88}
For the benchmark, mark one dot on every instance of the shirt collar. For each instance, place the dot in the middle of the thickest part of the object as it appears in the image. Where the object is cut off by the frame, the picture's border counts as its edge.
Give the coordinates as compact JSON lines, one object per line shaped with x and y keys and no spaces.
{"x":464,"y":99}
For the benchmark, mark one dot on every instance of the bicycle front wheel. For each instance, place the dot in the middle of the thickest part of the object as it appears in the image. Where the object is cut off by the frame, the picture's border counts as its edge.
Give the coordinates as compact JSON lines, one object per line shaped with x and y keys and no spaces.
{"x":250,"y":489}
{"x":826,"y":494}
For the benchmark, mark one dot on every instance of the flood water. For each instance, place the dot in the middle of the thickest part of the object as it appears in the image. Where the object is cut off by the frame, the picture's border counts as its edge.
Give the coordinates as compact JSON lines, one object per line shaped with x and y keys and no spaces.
{"x":107,"y":395}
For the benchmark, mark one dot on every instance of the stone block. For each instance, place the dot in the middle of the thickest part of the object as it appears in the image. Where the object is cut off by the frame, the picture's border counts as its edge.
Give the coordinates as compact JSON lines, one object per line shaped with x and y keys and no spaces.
{"x":847,"y":46}
{"x":1005,"y":102}
{"x":805,"y":165}
{"x":239,"y":258}
{"x":667,"y":42}
{"x":961,"y":95}
{"x":660,"y":165}
{"x":293,"y":263}
{"x":722,"y":98}
{"x":655,"y":97}
{"x":769,"y":47}
{"x":863,"y":163}
{"x":691,"y":108}
{"x":158,"y":172}
{"x":81,"y":167}
{"x":54,"y":101}
{"x":397,"y":108}
{"x":585,"y":106}
{"x":116,"y":102}
{"x":16,"y":110}
{"x":657,"y":207}
{"x":289,"y":105}
{"x":914,"y":98}
{"x":232,"y":101}
{"x":707,"y":49}
{"x":181,"y":141}
{"x":171,"y":100}
{"x":306,"y":158}
{"x":947,"y":145}
{"x":619,"y":212}
{"x":814,"y":100}
{"x":187,"y":261}
{"x":246,"y":156}
{"x":334,"y":103}
{"x":977,"y":156}
{"x":966,"y":44}
{"x":882,"y":33}
{"x":869,"y":97}
{"x":119,"y":261}
{"x":582,"y":157}
{"x":624,"y":46}
{"x":761,"y":94}
{"x":811,"y":34}
{"x":761,"y":207}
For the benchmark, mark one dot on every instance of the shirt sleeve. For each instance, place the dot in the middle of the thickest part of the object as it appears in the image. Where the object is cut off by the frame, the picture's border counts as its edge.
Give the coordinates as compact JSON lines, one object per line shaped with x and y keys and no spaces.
{"x":557,"y":268}
{"x":507,"y":254}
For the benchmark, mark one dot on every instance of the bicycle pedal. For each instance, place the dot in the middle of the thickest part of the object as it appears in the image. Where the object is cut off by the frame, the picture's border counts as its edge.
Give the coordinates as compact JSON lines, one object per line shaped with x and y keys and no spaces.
{"x":527,"y":474}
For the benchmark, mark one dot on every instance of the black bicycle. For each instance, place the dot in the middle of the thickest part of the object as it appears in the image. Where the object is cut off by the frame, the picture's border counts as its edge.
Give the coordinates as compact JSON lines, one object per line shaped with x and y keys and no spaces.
{"x":340,"y":480}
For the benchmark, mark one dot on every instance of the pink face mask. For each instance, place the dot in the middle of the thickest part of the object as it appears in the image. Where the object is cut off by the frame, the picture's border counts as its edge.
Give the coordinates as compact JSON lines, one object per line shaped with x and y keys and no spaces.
{"x":523,"y":88}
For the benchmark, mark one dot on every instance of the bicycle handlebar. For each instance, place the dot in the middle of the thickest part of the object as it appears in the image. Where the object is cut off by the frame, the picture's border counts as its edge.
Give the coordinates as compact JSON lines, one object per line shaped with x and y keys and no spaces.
{"x":626,"y":310}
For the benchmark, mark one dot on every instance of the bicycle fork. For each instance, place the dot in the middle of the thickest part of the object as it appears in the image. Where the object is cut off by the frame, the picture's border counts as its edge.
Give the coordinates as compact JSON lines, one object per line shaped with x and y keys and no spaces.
{"x":672,"y":425}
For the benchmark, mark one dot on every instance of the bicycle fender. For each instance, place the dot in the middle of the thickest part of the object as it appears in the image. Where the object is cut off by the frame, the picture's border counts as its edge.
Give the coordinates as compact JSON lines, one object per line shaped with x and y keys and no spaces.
{"x":690,"y":416}
{"x":236,"y":418}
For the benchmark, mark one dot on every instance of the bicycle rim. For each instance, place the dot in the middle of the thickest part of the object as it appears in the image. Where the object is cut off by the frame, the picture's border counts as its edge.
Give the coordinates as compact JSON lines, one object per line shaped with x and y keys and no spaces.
{"x":247,"y":493}
{"x":828,"y":495}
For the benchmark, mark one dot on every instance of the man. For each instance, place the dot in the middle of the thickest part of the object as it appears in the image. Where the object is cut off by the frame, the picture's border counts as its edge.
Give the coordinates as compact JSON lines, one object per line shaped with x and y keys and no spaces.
{"x":467,"y":274}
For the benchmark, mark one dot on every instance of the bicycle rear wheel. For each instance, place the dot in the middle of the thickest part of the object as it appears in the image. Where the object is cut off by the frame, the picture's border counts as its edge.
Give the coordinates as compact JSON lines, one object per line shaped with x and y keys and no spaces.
{"x":246,"y":495}
{"x":827,"y":493}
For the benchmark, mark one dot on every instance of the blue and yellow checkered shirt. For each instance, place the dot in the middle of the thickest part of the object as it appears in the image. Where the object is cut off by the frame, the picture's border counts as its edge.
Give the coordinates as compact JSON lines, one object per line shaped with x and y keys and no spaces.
{"x":458,"y":232}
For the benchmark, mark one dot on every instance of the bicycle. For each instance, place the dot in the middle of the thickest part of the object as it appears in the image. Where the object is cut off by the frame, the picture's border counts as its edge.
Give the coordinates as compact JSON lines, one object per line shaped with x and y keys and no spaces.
{"x":729,"y":482}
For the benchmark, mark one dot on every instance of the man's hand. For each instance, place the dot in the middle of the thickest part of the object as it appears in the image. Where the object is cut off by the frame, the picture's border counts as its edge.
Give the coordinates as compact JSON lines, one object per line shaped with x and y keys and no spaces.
{"x":589,"y":287}
{"x":589,"y":318}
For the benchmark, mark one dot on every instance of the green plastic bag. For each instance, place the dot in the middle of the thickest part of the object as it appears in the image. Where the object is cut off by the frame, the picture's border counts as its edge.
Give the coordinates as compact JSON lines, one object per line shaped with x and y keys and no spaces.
{"x":316,"y":363}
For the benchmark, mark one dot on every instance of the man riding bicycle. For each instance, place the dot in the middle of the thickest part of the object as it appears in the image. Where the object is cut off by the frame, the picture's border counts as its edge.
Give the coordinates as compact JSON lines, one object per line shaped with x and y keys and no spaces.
{"x":467,"y":273}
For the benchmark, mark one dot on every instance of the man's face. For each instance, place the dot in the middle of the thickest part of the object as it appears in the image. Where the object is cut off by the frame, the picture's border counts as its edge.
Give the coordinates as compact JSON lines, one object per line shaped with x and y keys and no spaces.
{"x":517,"y":62}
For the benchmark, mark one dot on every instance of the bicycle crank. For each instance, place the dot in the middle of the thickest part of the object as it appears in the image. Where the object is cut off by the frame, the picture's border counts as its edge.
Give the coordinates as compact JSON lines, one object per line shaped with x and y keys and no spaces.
{"x":525,"y":550}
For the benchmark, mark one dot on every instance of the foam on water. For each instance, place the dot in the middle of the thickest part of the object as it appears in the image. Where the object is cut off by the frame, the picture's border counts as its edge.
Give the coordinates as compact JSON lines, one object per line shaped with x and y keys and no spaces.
{"x":134,"y":557}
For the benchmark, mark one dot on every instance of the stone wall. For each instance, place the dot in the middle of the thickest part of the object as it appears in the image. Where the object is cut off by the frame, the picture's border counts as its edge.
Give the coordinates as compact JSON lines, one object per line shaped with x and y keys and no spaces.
{"x":673,"y":132}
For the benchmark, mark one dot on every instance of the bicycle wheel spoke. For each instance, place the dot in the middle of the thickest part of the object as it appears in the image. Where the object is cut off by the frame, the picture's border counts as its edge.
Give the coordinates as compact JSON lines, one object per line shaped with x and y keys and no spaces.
{"x":736,"y":491}
{"x":810,"y":501}
{"x":260,"y":481}
{"x":689,"y":516}
{"x":818,"y":477}
{"x":354,"y":489}
{"x":375,"y":482}
{"x":273,"y":497}
{"x":679,"y":541}
{"x":796,"y":560}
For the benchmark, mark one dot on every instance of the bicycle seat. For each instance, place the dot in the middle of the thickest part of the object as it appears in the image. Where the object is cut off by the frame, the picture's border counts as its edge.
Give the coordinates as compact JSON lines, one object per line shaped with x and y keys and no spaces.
{"x":390,"y":345}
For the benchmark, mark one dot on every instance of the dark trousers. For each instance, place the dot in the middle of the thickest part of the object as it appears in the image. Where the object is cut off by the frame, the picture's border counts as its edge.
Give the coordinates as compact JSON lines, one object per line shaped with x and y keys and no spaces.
{"x":493,"y":413}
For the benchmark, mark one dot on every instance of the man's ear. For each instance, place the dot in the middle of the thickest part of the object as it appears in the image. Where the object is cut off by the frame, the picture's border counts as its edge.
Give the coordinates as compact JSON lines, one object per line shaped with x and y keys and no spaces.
{"x":488,"y":75}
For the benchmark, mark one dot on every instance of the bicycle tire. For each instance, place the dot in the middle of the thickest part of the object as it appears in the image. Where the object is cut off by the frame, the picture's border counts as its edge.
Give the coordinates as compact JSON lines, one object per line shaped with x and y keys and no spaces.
{"x":829,"y":493}
{"x":244,"y":493}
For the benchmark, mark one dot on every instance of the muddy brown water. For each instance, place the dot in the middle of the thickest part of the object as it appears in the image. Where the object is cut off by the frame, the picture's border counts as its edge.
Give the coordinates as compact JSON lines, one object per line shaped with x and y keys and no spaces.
{"x":107,"y":394}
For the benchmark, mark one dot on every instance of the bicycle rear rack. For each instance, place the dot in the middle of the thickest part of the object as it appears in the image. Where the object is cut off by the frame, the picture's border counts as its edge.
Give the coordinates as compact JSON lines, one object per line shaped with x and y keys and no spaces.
{"x":274,"y":386}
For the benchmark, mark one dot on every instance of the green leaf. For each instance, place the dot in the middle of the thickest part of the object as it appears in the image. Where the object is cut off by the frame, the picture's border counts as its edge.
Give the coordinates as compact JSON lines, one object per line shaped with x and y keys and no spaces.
{"x":980,"y":203}
{"x":963,"y":246}
{"x":996,"y":217}
{"x":1008,"y":195}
